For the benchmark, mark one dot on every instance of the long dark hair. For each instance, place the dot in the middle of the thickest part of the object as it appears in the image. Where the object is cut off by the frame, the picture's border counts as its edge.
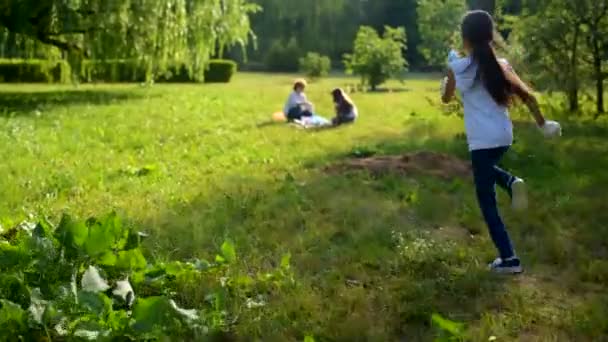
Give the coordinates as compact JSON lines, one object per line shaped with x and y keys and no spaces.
{"x":343,"y":103}
{"x":478,"y":30}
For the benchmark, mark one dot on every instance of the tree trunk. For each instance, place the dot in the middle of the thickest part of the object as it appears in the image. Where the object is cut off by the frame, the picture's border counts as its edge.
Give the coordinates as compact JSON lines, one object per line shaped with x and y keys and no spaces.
{"x":574,"y":85}
{"x":600,"y":90}
{"x":599,"y":76}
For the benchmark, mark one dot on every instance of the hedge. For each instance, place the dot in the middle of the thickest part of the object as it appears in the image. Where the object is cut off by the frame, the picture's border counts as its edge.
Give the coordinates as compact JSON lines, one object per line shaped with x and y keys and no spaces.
{"x":34,"y":71}
{"x":220,"y":71}
{"x":111,"y":71}
{"x":176,"y":74}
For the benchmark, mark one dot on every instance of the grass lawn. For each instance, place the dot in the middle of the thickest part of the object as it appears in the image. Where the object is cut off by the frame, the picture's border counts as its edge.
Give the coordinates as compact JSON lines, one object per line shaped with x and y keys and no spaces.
{"x":373,"y":257}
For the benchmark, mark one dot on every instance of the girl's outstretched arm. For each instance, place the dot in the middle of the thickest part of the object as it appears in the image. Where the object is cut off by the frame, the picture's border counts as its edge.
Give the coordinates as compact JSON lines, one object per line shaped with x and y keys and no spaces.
{"x":525,"y":94}
{"x":449,"y":87}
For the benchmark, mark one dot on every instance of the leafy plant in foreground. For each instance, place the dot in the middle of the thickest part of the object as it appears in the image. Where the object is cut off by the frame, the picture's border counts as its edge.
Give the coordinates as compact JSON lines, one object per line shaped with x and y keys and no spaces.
{"x":91,"y":281}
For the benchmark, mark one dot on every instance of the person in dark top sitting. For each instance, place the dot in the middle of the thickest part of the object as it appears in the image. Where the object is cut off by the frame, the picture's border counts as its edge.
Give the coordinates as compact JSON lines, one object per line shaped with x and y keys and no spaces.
{"x":346,"y":111}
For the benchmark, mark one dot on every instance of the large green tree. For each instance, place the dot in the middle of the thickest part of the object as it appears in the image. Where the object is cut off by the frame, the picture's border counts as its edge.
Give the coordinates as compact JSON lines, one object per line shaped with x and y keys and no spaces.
{"x":438,"y":20}
{"x":155,"y":33}
{"x":566,"y":44}
{"x":551,"y":40}
{"x":593,"y":16}
{"x":377,"y":58}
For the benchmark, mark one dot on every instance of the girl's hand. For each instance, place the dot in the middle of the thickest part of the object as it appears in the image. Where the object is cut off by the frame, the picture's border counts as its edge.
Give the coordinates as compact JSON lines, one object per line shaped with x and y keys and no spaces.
{"x":448,"y":87}
{"x":551,"y":129}
{"x":444,"y":85}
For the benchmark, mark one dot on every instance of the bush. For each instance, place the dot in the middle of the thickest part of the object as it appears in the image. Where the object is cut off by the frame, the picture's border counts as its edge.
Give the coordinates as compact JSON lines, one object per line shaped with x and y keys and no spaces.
{"x":283,"y":57}
{"x":377,"y":59}
{"x":33,"y":71}
{"x":314,"y":65}
{"x":220,"y":71}
{"x":113,"y":71}
{"x":176,"y":74}
{"x":90,"y":280}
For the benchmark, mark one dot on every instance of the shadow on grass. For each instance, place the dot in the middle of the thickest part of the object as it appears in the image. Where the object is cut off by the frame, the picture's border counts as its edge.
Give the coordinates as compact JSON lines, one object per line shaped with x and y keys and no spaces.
{"x":357,"y":280}
{"x":341,"y":232}
{"x":24,"y":103}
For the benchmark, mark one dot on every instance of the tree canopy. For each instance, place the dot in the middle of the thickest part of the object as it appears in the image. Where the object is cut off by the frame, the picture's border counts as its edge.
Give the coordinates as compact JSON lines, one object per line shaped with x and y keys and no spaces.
{"x":153,"y":32}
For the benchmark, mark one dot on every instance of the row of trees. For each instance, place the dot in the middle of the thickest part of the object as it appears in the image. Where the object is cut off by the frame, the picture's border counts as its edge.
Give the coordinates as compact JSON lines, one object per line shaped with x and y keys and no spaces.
{"x":155,"y":34}
{"x":562,"y":43}
{"x":329,"y":27}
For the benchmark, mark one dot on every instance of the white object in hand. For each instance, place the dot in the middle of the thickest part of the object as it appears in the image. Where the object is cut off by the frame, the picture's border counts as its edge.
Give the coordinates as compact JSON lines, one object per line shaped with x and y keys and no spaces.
{"x":444,"y":84}
{"x":551,"y":129}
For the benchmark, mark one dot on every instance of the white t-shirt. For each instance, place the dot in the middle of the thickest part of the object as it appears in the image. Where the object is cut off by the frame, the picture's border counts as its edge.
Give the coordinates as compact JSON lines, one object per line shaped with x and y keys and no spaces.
{"x":486,"y":122}
{"x":296,"y":99}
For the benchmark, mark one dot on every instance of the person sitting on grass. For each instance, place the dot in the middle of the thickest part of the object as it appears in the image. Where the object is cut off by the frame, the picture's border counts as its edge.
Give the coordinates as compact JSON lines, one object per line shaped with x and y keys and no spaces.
{"x":297,"y":105}
{"x":346,"y":111}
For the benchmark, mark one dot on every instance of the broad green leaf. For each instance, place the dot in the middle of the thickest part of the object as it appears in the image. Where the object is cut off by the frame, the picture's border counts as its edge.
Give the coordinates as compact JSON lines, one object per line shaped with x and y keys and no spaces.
{"x":220,"y":259}
{"x":131,"y":260}
{"x":454,"y":328}
{"x":71,"y":234}
{"x":13,"y":288}
{"x":286,"y":261}
{"x":309,"y":339}
{"x":99,"y":241}
{"x":92,"y":281}
{"x":107,"y":259}
{"x":12,"y":316}
{"x":118,"y":320}
{"x":150,"y":313}
{"x":43,"y":229}
{"x":113,"y":224}
{"x":201,"y":265}
{"x":105,"y":235}
{"x":174,"y":268}
{"x":228,"y":252}
{"x":96,"y":303}
{"x":12,"y":258}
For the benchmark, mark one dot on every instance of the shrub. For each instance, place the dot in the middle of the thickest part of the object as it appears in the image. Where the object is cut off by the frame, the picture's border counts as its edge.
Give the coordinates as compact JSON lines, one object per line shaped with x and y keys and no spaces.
{"x":315,"y":65}
{"x":283,"y":57}
{"x":113,"y":71}
{"x":176,"y":74}
{"x":33,"y":71}
{"x":220,"y":71}
{"x":377,"y":59}
{"x":91,"y":281}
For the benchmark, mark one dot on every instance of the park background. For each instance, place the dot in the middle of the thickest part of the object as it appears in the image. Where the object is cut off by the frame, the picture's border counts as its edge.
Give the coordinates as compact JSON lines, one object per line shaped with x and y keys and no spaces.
{"x":146,"y":194}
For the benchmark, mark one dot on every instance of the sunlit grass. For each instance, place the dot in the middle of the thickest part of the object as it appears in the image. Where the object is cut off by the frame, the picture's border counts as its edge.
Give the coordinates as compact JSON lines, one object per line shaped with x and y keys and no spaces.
{"x":190,"y":164}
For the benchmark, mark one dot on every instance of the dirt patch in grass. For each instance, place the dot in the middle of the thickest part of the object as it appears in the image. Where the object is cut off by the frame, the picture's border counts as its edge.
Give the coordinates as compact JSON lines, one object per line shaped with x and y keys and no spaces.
{"x":434,"y":164}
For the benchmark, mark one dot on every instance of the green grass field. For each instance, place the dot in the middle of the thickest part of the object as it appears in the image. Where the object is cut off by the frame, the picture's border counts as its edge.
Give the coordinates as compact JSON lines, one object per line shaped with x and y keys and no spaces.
{"x":373,"y":257}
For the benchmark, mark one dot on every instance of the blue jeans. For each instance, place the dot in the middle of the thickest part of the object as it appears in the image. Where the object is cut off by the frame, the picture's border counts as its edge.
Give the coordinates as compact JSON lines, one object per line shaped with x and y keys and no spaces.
{"x":487,"y":174}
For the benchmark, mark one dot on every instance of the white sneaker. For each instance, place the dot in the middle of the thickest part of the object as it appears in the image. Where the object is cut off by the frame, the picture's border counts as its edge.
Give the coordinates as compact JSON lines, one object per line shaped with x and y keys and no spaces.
{"x":508,"y":266}
{"x":520,"y":195}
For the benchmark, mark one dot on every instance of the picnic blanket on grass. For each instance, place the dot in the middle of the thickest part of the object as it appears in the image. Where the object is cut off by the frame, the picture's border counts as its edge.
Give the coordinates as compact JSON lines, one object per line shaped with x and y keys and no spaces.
{"x":314,"y":121}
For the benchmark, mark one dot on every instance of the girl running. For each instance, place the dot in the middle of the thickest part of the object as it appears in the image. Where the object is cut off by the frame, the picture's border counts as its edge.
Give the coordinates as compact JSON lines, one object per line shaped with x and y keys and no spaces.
{"x":488,"y":86}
